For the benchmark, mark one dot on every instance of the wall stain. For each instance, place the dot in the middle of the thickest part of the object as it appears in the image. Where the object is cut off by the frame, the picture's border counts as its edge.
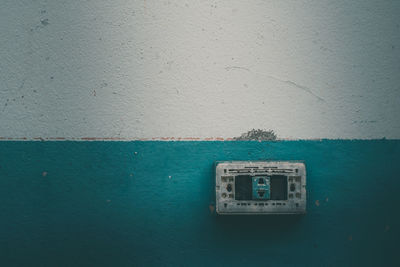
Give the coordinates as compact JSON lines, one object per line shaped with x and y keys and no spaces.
{"x":211,"y":208}
{"x":44,"y":22}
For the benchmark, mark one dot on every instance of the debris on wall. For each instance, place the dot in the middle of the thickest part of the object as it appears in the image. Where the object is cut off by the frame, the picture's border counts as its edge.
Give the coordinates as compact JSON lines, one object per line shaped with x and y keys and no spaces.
{"x":258,"y":134}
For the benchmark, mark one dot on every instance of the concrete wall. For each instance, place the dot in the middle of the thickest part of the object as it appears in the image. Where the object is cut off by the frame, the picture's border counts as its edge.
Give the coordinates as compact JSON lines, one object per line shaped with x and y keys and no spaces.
{"x":143,"y":69}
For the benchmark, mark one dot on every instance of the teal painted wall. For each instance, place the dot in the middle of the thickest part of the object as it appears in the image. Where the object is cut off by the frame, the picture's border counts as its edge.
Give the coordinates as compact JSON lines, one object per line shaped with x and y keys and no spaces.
{"x":148,"y":203}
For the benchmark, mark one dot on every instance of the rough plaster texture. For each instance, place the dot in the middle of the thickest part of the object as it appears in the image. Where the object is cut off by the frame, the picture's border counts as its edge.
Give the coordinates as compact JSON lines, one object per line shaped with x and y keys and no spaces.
{"x":142,"y":69}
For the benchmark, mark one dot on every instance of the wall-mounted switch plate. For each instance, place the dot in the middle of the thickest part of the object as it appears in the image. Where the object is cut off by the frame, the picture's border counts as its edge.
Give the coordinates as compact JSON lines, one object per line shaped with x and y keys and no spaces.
{"x":260,"y":187}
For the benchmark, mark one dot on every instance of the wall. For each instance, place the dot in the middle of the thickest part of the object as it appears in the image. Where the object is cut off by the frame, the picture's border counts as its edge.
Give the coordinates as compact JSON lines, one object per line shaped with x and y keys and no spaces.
{"x":144,"y":69}
{"x":152,"y":204}
{"x":77,"y":71}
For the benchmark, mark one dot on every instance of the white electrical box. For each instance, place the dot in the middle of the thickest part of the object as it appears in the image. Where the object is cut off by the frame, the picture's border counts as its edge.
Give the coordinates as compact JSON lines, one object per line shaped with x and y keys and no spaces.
{"x":260,"y":187}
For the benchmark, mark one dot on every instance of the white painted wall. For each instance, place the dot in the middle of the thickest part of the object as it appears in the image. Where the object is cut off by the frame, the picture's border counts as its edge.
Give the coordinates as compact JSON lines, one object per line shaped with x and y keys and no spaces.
{"x":142,"y":69}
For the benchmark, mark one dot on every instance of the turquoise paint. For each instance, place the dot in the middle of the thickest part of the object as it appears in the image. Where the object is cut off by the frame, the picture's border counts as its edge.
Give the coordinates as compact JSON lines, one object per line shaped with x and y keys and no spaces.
{"x":100,"y":204}
{"x":264,"y":187}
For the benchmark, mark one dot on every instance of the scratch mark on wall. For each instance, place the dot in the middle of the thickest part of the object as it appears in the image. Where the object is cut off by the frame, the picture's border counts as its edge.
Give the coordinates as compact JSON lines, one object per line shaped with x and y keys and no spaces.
{"x":237,"y":67}
{"x":115,"y":93}
{"x":302,"y":87}
{"x":289,"y":82}
{"x":365,"y":121}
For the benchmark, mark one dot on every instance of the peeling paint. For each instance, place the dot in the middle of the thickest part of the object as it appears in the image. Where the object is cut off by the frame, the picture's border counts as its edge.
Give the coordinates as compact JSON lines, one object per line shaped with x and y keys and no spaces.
{"x":259,"y":135}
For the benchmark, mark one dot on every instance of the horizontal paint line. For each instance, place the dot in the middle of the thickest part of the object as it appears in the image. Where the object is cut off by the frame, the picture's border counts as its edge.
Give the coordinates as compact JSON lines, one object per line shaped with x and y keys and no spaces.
{"x":171,"y":139}
{"x":114,"y":139}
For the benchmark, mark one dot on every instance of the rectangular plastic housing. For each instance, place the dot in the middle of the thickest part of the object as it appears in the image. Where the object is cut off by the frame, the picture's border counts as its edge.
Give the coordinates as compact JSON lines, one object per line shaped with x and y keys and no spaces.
{"x":260,"y":187}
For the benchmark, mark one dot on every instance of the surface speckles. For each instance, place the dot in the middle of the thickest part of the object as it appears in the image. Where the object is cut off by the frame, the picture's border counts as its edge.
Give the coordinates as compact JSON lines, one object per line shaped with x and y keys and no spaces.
{"x":44,"y":22}
{"x":91,"y":201}
{"x":199,"y":69}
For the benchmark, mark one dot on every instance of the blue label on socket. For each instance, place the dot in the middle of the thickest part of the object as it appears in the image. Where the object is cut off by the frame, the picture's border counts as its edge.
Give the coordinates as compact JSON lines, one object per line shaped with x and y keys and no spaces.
{"x":261,"y":188}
